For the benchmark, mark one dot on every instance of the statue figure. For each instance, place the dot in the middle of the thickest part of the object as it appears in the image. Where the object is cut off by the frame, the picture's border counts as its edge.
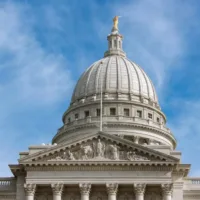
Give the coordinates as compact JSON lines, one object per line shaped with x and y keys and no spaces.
{"x":131,"y":155}
{"x":115,"y":22}
{"x":100,"y":149}
{"x":86,"y":152}
{"x":70,"y":155}
{"x":114,"y":151}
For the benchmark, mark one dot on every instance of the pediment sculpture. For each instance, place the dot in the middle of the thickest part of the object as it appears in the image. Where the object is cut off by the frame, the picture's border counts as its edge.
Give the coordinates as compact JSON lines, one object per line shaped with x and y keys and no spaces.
{"x":99,"y":150}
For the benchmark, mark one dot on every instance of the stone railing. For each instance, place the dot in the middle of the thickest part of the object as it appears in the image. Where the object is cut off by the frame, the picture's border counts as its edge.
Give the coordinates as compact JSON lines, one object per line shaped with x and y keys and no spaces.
{"x":192,"y":184}
{"x":194,"y":181}
{"x":7,"y":183}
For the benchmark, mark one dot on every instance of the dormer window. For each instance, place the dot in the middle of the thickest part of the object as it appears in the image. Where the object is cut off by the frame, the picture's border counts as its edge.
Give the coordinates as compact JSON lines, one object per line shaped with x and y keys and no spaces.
{"x":69,"y":120}
{"x":112,"y":111}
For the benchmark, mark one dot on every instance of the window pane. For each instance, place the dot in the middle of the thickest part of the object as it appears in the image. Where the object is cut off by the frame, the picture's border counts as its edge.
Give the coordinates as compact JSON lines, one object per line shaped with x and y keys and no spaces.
{"x":115,"y":43}
{"x":98,"y":112}
{"x":150,"y":116}
{"x":76,"y":116}
{"x":87,"y":113}
{"x":126,"y":112}
{"x":112,"y":111}
{"x":139,"y":113}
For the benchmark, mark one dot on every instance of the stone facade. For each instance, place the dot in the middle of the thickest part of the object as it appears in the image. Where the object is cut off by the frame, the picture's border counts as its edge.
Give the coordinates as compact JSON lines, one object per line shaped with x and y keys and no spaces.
{"x":132,"y":158}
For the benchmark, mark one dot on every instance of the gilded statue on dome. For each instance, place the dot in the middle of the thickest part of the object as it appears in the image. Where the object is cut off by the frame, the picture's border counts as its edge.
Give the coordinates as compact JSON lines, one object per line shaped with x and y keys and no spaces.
{"x":115,"y":22}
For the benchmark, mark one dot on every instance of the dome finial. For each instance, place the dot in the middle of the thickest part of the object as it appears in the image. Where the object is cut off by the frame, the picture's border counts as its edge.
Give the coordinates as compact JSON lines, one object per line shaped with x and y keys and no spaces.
{"x":115,"y":23}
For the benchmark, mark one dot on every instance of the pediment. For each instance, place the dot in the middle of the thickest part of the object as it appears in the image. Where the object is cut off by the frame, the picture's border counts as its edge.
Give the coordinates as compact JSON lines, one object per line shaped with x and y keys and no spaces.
{"x":100,"y":147}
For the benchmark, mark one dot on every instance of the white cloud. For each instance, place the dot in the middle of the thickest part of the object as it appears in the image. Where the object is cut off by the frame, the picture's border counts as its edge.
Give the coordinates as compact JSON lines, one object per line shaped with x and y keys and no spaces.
{"x":32,"y":79}
{"x":37,"y":75}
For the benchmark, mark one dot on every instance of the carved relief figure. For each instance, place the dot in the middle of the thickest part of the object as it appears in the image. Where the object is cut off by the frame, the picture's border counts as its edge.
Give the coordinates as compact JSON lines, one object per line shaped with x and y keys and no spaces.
{"x":70,"y":155}
{"x":114,"y":151}
{"x":131,"y":155}
{"x":86,"y":152}
{"x":99,"y":147}
{"x":98,"y":150}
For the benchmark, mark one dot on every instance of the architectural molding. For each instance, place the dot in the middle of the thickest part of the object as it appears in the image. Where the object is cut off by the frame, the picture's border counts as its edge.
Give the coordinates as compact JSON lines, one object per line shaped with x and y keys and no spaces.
{"x":167,"y":189}
{"x":57,"y":188}
{"x":139,"y":188}
{"x":30,"y":189}
{"x":112,"y":188}
{"x":85,"y":188}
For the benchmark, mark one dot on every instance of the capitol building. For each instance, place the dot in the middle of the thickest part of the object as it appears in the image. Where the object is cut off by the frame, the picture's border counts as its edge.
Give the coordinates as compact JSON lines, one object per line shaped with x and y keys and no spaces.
{"x":114,"y":143}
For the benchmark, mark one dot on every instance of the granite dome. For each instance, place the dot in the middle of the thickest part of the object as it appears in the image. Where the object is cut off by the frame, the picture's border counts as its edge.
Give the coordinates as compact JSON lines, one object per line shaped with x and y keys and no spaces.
{"x":118,"y":75}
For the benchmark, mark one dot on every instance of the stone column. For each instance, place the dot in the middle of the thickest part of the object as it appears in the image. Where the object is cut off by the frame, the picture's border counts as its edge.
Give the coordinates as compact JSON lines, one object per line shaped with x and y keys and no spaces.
{"x":112,"y":190}
{"x":167,"y":191}
{"x":57,"y":191}
{"x":85,"y":190}
{"x":29,"y":191}
{"x":139,"y":190}
{"x":20,"y":191}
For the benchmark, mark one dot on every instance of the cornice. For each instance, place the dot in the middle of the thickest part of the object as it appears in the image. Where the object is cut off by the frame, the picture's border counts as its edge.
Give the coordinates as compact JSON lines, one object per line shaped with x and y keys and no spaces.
{"x":96,"y":163}
{"x":99,"y":168}
{"x":182,"y":169}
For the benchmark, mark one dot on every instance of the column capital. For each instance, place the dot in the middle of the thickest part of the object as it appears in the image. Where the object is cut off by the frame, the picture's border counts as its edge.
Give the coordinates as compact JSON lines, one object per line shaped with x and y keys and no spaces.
{"x":112,"y":188}
{"x":85,"y":188}
{"x":139,"y":188}
{"x":29,"y":189}
{"x":57,"y":188}
{"x":167,"y":189}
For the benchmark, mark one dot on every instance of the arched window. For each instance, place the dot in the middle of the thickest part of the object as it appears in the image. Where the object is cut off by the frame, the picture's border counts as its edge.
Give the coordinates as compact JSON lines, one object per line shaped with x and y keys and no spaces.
{"x":120,"y":45}
{"x":115,"y":43}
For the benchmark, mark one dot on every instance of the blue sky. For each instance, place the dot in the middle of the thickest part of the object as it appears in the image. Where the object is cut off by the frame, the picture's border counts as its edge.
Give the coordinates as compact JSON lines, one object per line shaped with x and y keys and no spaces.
{"x":45,"y":45}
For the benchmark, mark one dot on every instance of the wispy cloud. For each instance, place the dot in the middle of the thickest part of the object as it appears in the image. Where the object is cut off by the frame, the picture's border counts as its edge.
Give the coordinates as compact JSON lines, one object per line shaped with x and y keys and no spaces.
{"x":37,"y":74}
{"x":32,"y":79}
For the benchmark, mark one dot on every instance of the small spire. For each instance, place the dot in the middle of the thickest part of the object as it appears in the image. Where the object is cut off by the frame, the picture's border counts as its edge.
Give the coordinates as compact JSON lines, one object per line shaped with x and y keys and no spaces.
{"x":115,"y":40}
